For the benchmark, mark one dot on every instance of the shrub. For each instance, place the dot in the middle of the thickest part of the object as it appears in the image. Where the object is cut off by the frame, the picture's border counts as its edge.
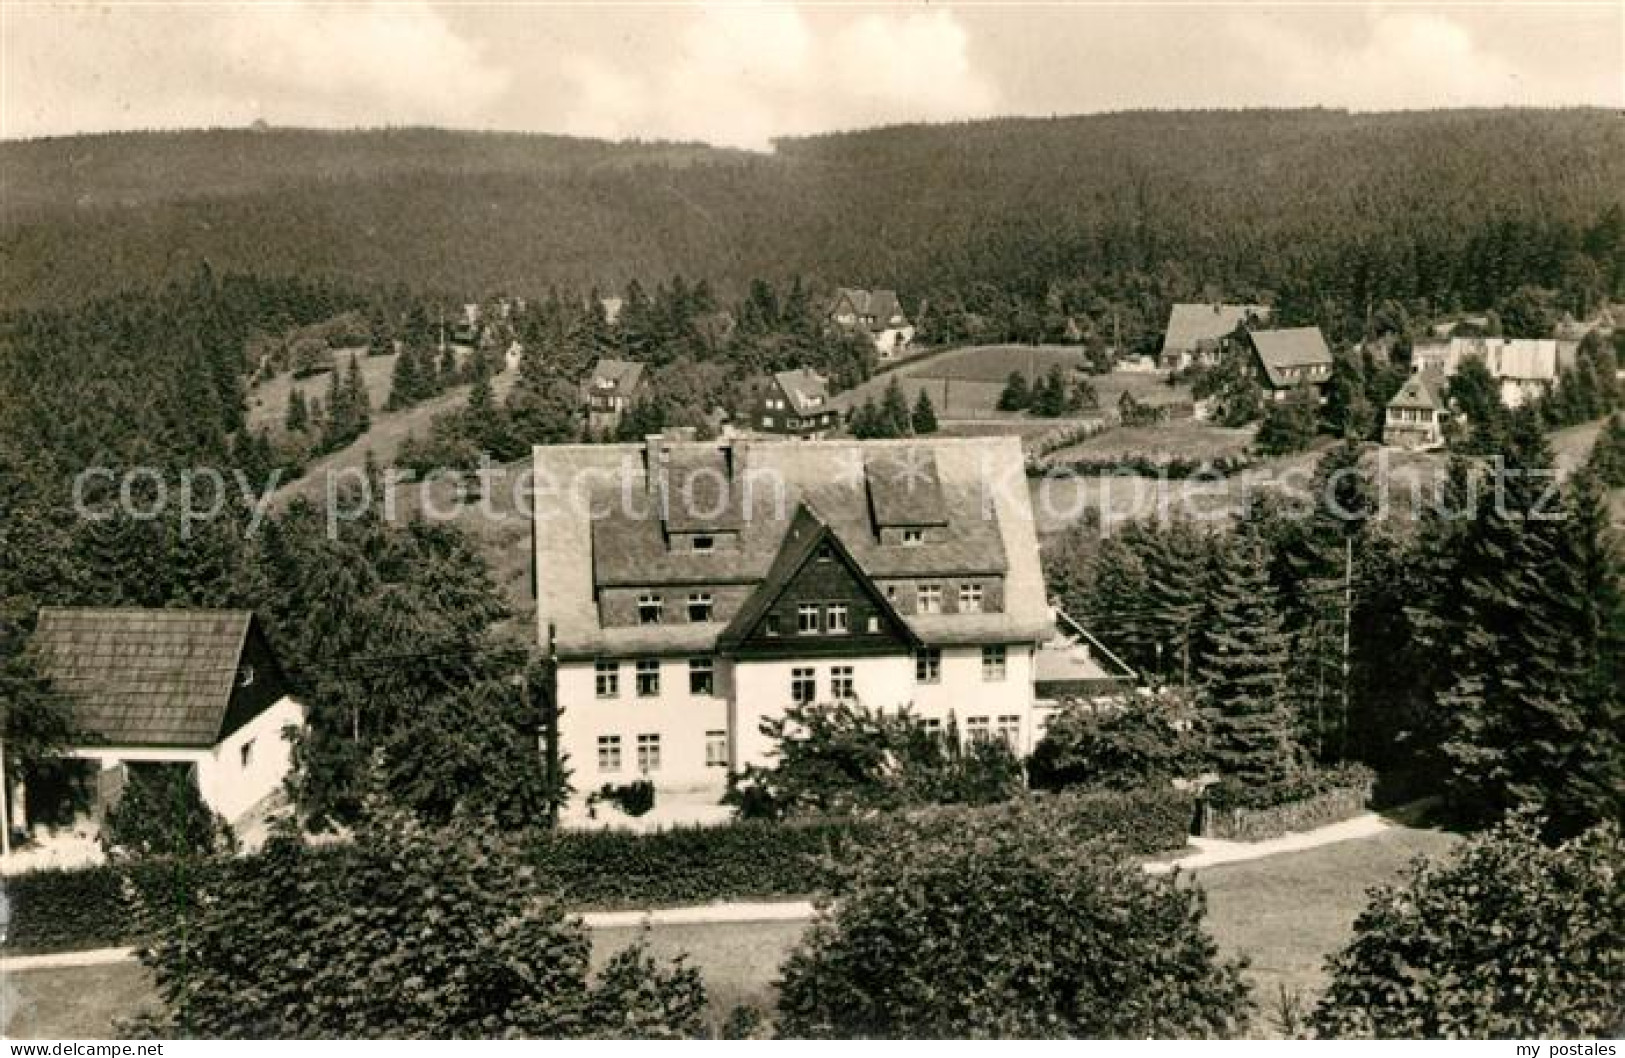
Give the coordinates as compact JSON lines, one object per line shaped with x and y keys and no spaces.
{"x":410,"y":932}
{"x":994,"y":928}
{"x":160,"y":812}
{"x":1508,"y":939}
{"x":634,"y":798}
{"x":843,"y":757}
{"x":1239,"y":811}
{"x":1120,"y":745}
{"x":1300,"y":785}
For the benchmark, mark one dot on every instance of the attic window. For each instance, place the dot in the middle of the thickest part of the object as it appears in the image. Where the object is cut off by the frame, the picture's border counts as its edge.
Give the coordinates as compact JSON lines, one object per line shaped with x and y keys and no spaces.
{"x":772,"y":624}
{"x":913,"y":537}
{"x":704,"y":543}
{"x":246,"y":753}
{"x":649,"y":608}
{"x":245,"y":676}
{"x":825,"y":552}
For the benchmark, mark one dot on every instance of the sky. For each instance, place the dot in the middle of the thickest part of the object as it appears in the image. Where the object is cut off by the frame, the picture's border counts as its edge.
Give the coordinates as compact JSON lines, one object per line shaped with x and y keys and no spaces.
{"x":741,"y":73}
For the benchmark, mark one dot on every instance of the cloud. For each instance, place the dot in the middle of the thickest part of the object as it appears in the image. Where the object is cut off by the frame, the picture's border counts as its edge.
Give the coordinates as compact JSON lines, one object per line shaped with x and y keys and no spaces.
{"x":78,"y":68}
{"x":741,"y":75}
{"x":1408,"y":59}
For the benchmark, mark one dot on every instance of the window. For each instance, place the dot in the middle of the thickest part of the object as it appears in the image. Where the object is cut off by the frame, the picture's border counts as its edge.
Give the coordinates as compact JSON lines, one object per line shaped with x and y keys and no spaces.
{"x":716,"y":749}
{"x":772,"y":624}
{"x":931,"y":725}
{"x":1010,"y":731}
{"x":795,"y":424}
{"x":807,"y":619}
{"x":825,"y":552}
{"x":970,"y":598}
{"x":700,"y":607}
{"x":701,"y":676}
{"x":607,"y":677}
{"x":913,"y":537}
{"x":649,"y":607}
{"x":841,"y":683}
{"x":704,"y":543}
{"x":648,"y":753}
{"x":246,"y":754}
{"x":928,"y":598}
{"x":976,"y":728}
{"x":803,"y":685}
{"x":993,"y":659}
{"x":609,"y":752}
{"x":767,"y":420}
{"x":835,"y":619}
{"x":928,"y":666}
{"x":872,"y":624}
{"x":648,"y":678}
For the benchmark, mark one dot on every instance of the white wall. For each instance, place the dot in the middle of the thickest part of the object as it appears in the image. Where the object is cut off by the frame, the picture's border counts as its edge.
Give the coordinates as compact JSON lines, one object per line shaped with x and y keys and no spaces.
{"x":232,"y":786}
{"x":678,"y":717}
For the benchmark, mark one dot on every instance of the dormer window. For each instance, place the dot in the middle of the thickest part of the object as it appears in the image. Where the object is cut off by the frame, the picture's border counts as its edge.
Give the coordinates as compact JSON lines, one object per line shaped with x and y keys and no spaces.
{"x":650,"y":606}
{"x":700,"y":607}
{"x":913,"y":537}
{"x":704,"y":543}
{"x":772,"y":624}
{"x":825,"y":553}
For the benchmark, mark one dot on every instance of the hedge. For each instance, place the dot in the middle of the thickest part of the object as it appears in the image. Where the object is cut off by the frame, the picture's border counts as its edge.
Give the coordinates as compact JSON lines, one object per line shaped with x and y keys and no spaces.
{"x":1235,"y":813}
{"x":73,"y":909}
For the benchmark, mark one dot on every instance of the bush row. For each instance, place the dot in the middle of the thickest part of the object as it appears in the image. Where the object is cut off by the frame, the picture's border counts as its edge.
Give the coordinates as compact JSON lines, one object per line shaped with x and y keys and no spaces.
{"x":1235,"y":813}
{"x":65,"y":910}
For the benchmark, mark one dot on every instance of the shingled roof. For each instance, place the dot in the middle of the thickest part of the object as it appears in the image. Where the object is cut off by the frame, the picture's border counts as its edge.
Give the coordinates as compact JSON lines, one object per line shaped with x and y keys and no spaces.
{"x":621,"y":374}
{"x":1290,"y":347}
{"x":1189,"y":325}
{"x":807,"y":391}
{"x":587,"y":539}
{"x":147,"y":677}
{"x":1416,"y":393}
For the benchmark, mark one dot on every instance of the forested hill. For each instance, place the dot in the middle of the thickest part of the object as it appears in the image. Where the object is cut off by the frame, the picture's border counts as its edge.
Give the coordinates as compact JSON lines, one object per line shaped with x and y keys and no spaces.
{"x":1450,"y":205}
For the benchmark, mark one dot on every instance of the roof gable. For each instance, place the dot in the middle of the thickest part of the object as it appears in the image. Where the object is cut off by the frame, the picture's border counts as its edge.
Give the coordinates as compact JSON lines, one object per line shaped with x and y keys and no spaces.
{"x":617,"y":374}
{"x":1416,"y":393}
{"x":1290,"y":347}
{"x":1191,"y":324}
{"x":807,"y":391}
{"x":809,"y":540}
{"x":151,"y":677}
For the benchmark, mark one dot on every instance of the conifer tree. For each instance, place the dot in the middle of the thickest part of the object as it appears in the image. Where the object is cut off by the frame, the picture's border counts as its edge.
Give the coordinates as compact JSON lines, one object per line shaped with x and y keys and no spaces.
{"x":1607,"y":462}
{"x":360,"y":403}
{"x":924,"y":418}
{"x":894,"y":416}
{"x":405,"y":388}
{"x":1533,"y":708}
{"x":1016,"y":396}
{"x":298,"y":416}
{"x":1245,"y":717}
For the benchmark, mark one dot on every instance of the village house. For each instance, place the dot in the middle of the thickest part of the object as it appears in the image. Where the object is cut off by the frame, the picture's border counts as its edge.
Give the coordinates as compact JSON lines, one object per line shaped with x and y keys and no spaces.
{"x":1415,"y":417}
{"x":875,"y":313}
{"x":1196,"y":333}
{"x":793,"y":403}
{"x":1290,"y":357}
{"x":1526,"y":368}
{"x":609,"y":392}
{"x":198,"y":688}
{"x":691,"y":590}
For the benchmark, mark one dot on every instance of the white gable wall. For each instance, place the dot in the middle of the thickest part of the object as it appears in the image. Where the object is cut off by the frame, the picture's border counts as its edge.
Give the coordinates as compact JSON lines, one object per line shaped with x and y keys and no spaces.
{"x":230,"y":785}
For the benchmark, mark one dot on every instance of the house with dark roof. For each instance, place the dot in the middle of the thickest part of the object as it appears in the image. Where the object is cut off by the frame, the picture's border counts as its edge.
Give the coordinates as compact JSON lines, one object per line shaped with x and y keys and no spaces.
{"x":691,"y":590}
{"x":610,"y":390}
{"x":1415,"y":417}
{"x":199,"y":688}
{"x":875,"y":313}
{"x":1290,"y":357}
{"x":792,"y":403}
{"x":1196,"y":332}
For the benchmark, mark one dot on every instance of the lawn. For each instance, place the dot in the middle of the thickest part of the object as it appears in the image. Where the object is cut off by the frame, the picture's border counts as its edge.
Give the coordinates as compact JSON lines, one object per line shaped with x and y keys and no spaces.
{"x":1184,"y":439}
{"x":1286,"y":913}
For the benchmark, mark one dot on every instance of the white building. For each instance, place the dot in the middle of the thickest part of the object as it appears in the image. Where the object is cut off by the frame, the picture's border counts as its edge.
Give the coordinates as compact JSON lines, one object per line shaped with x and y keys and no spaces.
{"x":1525,"y":367}
{"x":690,"y":590}
{"x":876,"y":313}
{"x":199,"y":688}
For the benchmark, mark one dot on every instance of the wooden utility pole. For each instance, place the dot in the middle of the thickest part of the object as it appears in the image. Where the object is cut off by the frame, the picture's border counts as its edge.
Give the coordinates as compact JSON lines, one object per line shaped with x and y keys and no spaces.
{"x":5,"y":811}
{"x":1348,"y":610}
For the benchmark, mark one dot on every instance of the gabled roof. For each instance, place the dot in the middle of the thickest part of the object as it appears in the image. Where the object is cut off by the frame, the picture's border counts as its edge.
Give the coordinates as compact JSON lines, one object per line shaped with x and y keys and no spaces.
{"x":808,"y":533}
{"x":1290,"y":347}
{"x":1417,"y":392}
{"x":882,"y":305}
{"x":807,"y":391}
{"x":623,"y":374}
{"x":598,"y":532}
{"x":145,"y":677}
{"x":1074,"y":656}
{"x":1189,"y":325}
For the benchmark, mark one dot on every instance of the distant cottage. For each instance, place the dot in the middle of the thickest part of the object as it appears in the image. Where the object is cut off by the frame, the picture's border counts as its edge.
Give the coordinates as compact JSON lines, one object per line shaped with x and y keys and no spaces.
{"x":1289,"y":358}
{"x":875,"y":313}
{"x":794,"y":403}
{"x":610,"y":391}
{"x":1415,"y":417}
{"x":1196,"y":332}
{"x":199,"y":688}
{"x":1526,"y":367}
